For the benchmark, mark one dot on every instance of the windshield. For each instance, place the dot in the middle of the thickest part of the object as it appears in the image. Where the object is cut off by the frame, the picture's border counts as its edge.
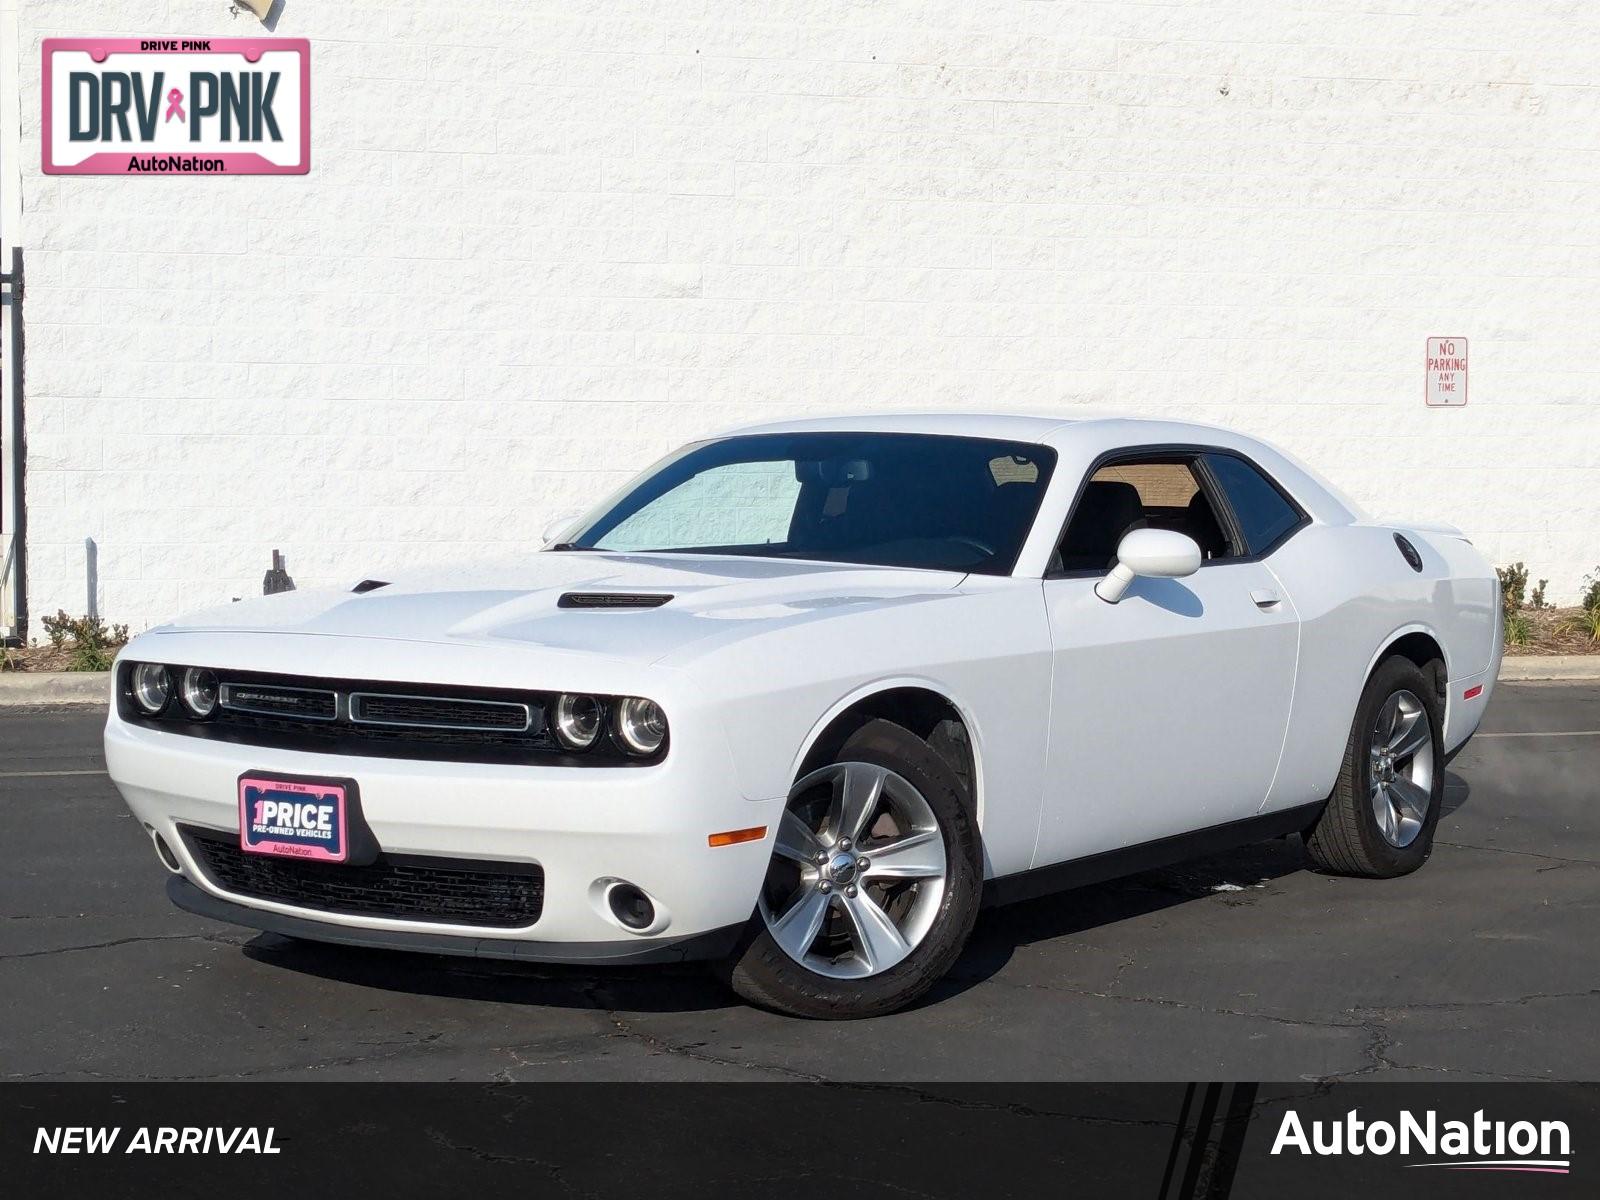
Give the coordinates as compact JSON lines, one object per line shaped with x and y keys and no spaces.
{"x":884,"y":499}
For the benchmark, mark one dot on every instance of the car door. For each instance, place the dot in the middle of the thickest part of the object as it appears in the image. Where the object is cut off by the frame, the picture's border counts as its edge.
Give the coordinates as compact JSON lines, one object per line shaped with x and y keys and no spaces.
{"x":1169,"y":708}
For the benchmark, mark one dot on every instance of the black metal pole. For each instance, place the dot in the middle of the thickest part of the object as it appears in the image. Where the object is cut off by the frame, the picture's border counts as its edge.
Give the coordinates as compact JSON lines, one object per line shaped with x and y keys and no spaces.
{"x":15,"y":367}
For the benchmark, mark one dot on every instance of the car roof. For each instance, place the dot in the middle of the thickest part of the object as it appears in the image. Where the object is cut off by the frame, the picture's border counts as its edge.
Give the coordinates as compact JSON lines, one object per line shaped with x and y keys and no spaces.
{"x":1047,"y":429}
{"x":1020,"y":427}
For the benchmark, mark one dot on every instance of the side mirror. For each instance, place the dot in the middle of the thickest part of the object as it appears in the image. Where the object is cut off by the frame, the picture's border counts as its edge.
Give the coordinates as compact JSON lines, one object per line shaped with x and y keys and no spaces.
{"x":557,"y":527}
{"x":1158,"y":553}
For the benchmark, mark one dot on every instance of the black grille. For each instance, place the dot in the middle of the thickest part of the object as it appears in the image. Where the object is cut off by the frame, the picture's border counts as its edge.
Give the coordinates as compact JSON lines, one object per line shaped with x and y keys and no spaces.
{"x":277,"y":700}
{"x":378,"y":719}
{"x":438,"y":712}
{"x":448,"y":891}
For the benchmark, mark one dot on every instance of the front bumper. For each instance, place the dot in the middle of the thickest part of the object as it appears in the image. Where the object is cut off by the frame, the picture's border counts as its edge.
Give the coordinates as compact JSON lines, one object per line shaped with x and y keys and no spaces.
{"x":584,"y":826}
{"x":716,"y":943}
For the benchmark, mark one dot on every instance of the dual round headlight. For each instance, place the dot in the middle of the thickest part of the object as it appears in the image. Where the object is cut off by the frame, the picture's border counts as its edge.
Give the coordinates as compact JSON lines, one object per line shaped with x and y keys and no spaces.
{"x":152,"y":687}
{"x":639,"y":724}
{"x":200,"y":691}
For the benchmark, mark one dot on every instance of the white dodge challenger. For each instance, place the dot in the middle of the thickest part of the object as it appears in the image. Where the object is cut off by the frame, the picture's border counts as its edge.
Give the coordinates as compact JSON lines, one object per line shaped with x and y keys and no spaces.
{"x":801,"y":698}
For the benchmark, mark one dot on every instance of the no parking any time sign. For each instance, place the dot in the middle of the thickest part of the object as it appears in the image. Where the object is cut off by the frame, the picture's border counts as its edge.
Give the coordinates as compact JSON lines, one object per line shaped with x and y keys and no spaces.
{"x":1447,"y":372}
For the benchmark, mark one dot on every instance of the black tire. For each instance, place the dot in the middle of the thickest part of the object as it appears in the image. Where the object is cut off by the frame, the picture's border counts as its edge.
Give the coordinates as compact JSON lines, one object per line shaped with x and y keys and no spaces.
{"x":1346,"y":838}
{"x":762,"y":973}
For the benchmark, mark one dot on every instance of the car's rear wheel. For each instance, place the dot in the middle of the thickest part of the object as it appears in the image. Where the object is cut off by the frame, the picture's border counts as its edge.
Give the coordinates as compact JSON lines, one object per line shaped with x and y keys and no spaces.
{"x":873,"y":886}
{"x":1379,"y":822}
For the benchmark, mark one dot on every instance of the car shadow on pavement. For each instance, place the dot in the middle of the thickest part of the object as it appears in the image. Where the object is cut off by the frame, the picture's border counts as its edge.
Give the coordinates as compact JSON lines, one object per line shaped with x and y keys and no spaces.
{"x":1237,"y":877}
{"x":687,"y":987}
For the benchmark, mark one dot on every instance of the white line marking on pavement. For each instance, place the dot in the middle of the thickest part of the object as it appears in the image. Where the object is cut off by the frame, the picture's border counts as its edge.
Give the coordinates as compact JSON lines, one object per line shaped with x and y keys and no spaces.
{"x":44,"y":774}
{"x":1546,"y":733}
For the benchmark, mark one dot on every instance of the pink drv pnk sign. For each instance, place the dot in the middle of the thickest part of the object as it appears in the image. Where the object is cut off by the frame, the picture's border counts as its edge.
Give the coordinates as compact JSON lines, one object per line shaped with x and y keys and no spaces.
{"x":177,"y":106}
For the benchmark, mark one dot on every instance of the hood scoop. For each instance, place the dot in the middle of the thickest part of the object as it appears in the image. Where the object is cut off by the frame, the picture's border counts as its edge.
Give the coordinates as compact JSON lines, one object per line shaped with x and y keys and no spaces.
{"x":612,"y":600}
{"x":369,"y":585}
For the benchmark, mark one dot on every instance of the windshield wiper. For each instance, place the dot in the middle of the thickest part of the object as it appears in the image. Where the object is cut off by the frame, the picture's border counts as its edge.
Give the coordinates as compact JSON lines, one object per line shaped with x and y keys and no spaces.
{"x":575,"y":546}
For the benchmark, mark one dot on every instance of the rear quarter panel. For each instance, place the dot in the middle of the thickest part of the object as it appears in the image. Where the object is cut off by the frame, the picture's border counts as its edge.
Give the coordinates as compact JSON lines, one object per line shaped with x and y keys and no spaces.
{"x":1357,"y":596}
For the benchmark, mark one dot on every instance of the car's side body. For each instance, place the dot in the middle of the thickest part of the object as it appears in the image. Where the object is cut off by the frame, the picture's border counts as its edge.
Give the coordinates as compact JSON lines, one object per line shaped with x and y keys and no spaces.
{"x":1002,"y":651}
{"x":1087,"y":728}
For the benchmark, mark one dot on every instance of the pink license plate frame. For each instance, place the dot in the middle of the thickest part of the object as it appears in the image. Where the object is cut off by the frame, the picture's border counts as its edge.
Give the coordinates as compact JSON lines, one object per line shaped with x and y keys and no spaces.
{"x":119,"y":162}
{"x":294,"y":818}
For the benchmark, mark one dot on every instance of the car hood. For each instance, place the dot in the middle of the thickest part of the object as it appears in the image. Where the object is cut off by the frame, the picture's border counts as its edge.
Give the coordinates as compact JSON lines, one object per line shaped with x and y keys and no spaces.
{"x":519,"y":603}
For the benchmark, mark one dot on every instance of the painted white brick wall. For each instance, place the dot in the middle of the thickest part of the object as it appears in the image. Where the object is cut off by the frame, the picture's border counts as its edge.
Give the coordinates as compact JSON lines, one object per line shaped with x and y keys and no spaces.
{"x":543,"y":242}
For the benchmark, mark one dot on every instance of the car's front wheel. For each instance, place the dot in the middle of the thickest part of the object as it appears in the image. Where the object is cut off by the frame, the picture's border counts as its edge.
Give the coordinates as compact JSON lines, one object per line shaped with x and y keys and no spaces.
{"x":873,"y":886}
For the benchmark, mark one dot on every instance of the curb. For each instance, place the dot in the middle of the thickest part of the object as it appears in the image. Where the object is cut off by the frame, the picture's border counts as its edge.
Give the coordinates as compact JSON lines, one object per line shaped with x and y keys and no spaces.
{"x":28,"y":689}
{"x":1523,"y":667}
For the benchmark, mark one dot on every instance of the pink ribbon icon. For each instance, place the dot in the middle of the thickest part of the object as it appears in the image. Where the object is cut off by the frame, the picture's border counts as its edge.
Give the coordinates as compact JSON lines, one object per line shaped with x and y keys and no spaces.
{"x":175,"y":106}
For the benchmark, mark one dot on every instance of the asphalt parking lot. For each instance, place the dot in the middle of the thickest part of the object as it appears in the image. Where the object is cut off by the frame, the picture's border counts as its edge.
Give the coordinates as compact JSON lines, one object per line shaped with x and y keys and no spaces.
{"x":1485,"y":964}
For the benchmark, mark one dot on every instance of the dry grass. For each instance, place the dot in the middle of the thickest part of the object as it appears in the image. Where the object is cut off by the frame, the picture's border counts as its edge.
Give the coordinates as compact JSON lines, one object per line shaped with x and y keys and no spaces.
{"x":37,"y":658}
{"x":1548,"y":633}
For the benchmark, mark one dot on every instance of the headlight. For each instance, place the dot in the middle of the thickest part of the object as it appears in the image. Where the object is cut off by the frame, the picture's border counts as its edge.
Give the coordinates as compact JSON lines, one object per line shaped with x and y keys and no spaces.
{"x":641,"y":724}
{"x":200,"y":691}
{"x":151,"y":687}
{"x":578,"y":720}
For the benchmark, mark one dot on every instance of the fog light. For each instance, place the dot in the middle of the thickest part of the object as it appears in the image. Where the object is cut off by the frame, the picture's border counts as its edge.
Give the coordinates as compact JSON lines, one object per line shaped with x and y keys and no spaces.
{"x":631,"y":906}
{"x":578,"y":721}
{"x":641,"y":725}
{"x":151,"y":687}
{"x":200,"y":691}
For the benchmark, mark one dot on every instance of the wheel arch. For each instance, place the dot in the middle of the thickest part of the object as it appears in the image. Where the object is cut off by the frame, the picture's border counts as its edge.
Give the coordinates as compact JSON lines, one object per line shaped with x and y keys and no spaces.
{"x":921,"y":706}
{"x":1423,"y":646}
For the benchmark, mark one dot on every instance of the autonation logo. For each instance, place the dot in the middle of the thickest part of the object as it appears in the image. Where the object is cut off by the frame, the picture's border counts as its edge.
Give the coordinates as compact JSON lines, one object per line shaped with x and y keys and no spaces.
{"x":1476,"y":1145}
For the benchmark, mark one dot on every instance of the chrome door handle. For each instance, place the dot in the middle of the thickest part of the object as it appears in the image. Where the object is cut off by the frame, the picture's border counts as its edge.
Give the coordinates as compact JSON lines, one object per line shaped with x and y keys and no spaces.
{"x":1265,"y":598}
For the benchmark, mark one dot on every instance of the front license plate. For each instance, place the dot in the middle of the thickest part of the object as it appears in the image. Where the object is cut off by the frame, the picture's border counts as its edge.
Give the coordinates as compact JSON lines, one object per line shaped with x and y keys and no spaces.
{"x":293,"y":818}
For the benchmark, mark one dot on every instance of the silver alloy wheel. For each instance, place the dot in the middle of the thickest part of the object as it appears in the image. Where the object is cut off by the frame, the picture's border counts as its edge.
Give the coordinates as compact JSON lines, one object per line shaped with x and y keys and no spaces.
{"x":1400,"y":768}
{"x":857,"y":874}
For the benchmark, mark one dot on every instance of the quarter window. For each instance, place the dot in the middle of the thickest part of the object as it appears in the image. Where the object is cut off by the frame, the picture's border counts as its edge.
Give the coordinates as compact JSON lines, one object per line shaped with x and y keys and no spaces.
{"x":1264,"y":516}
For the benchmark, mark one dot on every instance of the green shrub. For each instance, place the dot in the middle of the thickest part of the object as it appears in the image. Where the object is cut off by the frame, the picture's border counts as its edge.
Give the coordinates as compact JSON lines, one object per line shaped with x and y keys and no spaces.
{"x":1519,"y":630}
{"x":1536,"y":600}
{"x":1591,"y":592}
{"x":57,"y":627}
{"x":1513,"y":587}
{"x":94,"y":644}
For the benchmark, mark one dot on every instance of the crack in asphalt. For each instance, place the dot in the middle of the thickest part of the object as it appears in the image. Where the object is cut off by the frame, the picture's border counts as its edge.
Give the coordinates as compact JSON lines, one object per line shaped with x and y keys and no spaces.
{"x":1507,"y":1001}
{"x":1555,"y":858}
{"x":216,"y":938}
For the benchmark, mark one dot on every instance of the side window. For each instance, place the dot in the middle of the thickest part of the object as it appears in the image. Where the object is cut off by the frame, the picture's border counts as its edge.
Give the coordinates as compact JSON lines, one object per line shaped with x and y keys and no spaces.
{"x":737,"y":504}
{"x":1159,"y":493}
{"x":1263,"y":514}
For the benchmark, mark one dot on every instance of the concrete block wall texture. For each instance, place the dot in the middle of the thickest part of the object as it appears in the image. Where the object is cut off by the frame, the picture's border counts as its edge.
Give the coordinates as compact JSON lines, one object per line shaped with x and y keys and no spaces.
{"x":543,"y":243}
